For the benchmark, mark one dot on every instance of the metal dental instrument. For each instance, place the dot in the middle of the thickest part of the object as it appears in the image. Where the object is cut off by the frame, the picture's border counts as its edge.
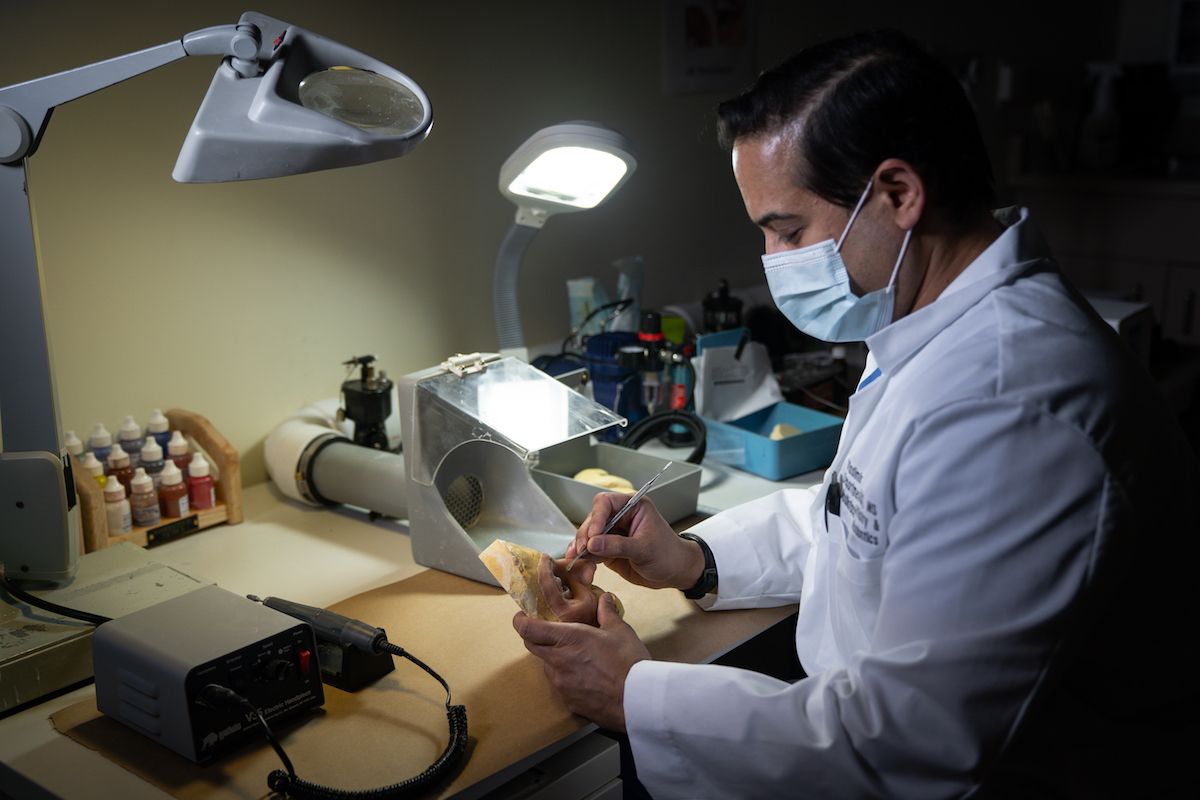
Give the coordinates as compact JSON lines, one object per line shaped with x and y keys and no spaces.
{"x":633,"y":501}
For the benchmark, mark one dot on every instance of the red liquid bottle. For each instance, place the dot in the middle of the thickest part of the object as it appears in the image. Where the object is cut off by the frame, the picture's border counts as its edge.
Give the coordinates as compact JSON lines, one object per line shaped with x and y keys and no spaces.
{"x":120,"y":468}
{"x":173,"y":492}
{"x":178,"y":451}
{"x":201,"y":489}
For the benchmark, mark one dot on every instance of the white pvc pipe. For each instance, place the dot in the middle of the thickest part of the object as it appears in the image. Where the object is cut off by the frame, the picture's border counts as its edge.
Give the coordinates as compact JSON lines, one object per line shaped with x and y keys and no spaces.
{"x":312,"y":459}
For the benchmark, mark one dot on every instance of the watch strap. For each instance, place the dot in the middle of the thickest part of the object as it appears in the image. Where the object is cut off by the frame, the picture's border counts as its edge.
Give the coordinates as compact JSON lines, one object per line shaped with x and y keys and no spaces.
{"x":708,"y":578}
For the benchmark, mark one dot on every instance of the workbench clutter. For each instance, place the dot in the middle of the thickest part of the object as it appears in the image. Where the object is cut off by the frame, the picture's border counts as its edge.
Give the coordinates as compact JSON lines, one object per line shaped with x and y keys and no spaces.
{"x":176,"y":476}
{"x":749,"y":424}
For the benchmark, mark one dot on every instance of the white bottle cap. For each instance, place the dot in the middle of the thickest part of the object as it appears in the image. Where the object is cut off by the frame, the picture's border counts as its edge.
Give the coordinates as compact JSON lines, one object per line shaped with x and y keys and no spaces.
{"x":151,"y":451}
{"x":118,"y":457}
{"x":92,"y":464}
{"x":178,"y":445}
{"x":129,"y":428}
{"x":157,"y":422}
{"x":114,"y":491}
{"x":72,"y":443}
{"x":198,"y":467}
{"x":170,"y":474}
{"x":141,"y":481}
{"x":100,"y":436}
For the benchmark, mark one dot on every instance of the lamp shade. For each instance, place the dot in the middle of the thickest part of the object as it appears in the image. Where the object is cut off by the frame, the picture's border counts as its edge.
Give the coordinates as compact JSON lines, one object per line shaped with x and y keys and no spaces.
{"x":563,"y":168}
{"x":317,"y":105}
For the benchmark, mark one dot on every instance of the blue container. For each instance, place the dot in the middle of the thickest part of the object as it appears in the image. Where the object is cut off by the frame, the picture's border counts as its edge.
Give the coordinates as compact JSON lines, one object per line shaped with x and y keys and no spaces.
{"x":614,"y":386}
{"x":745,"y":443}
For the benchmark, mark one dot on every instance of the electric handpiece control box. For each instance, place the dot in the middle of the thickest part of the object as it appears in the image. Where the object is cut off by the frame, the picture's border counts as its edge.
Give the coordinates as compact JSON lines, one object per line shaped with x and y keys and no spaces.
{"x":152,"y":665}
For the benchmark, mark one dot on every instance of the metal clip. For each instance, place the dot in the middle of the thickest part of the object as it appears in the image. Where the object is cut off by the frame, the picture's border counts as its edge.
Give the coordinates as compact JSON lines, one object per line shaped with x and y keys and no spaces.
{"x":462,"y":365}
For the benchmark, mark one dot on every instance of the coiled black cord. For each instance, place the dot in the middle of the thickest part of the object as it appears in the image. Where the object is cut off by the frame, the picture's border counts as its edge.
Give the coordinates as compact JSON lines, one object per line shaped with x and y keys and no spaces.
{"x":285,"y":781}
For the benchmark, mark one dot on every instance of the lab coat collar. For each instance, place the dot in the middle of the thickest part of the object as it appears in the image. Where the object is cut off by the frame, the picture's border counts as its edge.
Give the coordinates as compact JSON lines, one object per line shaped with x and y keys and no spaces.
{"x":1015,"y":251}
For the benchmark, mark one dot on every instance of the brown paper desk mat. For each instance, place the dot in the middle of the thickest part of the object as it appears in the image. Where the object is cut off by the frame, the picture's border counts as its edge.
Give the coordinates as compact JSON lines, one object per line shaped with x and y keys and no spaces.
{"x":395,"y":728}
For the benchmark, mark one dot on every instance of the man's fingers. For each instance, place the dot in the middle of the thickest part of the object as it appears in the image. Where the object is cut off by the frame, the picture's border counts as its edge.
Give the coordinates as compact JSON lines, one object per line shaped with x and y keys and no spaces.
{"x":607,"y":614}
{"x":614,"y":546}
{"x":579,"y":543}
{"x":604,"y":506}
{"x":539,"y":631}
{"x":578,"y":579}
{"x":547,"y":653}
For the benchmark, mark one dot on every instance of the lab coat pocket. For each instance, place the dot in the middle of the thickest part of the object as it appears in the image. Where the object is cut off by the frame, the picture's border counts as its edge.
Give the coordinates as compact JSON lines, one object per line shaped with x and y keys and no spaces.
{"x":855,"y":568}
{"x":854,"y":604}
{"x":862,"y":572}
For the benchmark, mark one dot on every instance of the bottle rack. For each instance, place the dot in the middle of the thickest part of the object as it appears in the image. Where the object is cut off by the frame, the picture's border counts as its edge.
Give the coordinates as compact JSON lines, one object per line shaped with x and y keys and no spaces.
{"x":227,"y":470}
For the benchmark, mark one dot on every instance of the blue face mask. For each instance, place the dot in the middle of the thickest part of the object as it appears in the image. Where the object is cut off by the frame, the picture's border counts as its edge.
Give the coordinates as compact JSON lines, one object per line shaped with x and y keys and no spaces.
{"x":812,"y":289}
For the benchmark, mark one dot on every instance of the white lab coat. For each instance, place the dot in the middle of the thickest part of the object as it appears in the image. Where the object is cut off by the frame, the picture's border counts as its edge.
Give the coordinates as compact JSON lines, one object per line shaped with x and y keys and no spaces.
{"x":948,"y":616}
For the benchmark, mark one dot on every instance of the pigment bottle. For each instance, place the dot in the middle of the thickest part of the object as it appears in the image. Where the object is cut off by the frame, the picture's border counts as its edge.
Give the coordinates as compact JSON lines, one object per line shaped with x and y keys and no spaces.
{"x":100,"y":442}
{"x":178,"y":450}
{"x":73,"y":444}
{"x":172,"y":493}
{"x":116,"y":509}
{"x":144,"y":500}
{"x":152,"y":460}
{"x":94,"y":468}
{"x":201,"y":493}
{"x":131,"y":439}
{"x":158,"y":428}
{"x":119,"y":466}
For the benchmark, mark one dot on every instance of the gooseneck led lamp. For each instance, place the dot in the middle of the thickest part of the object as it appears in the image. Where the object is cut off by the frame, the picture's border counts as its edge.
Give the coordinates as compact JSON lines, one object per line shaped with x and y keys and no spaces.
{"x":570,"y":167}
{"x":283,"y":101}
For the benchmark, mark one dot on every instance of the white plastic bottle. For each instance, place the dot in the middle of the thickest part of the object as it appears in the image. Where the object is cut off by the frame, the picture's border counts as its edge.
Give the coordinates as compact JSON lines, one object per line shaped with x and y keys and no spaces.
{"x":158,"y":428}
{"x":144,"y":500}
{"x":101,"y":442}
{"x":94,"y":468}
{"x":201,"y":492}
{"x":116,"y":508}
{"x":152,"y":460}
{"x":179,"y":451}
{"x":73,"y":444}
{"x":173,"y":492}
{"x":131,"y":439}
{"x":119,"y":467}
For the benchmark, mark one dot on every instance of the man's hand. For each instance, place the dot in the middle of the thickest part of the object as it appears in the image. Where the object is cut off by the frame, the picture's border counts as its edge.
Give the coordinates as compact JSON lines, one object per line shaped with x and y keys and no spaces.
{"x":642,"y":548}
{"x":587,"y":665}
{"x":569,"y":594}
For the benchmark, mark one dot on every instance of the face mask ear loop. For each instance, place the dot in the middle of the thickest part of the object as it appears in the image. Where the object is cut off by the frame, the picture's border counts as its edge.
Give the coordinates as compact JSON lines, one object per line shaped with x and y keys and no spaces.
{"x":900,"y":258}
{"x":862,"y":199}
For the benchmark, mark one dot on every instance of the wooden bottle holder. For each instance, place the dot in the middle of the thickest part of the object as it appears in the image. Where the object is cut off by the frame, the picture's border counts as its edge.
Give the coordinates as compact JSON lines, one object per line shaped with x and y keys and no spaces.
{"x":227,"y":467}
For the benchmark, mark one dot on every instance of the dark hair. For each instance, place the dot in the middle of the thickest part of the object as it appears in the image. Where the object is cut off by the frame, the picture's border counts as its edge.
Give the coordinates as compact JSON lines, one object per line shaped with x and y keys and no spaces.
{"x":863,"y":99}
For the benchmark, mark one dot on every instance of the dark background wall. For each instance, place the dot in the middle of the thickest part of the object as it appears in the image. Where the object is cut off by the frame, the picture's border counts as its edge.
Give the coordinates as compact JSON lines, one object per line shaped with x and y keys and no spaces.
{"x":240,"y":300}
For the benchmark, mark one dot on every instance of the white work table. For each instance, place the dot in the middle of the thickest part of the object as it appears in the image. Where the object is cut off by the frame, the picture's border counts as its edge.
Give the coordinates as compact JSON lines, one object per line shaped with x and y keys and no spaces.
{"x":314,"y":556}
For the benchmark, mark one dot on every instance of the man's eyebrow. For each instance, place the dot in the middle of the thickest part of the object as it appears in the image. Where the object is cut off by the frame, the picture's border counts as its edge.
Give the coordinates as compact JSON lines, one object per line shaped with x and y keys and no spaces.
{"x":774,"y":216}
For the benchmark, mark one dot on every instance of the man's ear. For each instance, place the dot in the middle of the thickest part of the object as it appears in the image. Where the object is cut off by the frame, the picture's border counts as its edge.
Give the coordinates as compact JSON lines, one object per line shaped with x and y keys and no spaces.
{"x":904,"y":189}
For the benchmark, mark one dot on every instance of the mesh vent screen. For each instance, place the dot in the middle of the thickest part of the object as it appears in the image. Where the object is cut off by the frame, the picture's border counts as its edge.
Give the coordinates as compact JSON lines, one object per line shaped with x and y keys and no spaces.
{"x":464,"y":500}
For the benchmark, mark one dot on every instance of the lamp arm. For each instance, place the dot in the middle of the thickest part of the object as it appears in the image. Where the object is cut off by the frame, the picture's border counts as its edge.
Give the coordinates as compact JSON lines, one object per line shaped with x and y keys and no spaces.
{"x":25,"y":107}
{"x":39,"y":523}
{"x":504,"y":285}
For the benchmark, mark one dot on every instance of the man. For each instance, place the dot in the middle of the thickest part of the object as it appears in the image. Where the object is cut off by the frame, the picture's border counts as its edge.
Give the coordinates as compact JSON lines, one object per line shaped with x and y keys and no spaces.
{"x":991,"y":578}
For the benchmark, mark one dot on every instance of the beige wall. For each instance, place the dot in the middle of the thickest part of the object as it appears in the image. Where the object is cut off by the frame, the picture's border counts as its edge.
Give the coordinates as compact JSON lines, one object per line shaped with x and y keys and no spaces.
{"x":240,"y":300}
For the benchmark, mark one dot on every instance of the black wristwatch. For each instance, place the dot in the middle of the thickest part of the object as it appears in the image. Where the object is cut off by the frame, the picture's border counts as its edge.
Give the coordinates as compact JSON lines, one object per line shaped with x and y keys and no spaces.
{"x":708,"y":578}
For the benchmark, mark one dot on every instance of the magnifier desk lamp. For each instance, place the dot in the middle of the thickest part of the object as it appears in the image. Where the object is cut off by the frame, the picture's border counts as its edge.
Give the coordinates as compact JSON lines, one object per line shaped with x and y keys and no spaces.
{"x":283,"y":101}
{"x":570,"y":167}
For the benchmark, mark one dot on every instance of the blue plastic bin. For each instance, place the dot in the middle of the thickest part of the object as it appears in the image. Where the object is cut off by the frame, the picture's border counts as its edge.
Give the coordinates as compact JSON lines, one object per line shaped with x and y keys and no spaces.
{"x":744,"y":443}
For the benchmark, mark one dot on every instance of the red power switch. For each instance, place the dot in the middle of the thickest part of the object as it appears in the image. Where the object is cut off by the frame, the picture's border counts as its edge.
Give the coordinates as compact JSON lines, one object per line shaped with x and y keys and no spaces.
{"x":305,"y":661}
